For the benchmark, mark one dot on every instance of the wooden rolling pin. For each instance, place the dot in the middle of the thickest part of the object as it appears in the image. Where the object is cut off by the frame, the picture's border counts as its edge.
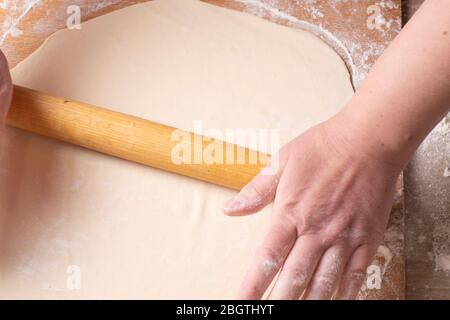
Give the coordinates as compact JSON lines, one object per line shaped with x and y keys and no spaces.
{"x":125,"y":136}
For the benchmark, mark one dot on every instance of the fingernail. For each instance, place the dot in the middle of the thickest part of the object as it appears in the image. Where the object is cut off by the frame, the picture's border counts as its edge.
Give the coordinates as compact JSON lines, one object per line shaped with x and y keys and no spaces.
{"x":240,"y":204}
{"x":232,"y":205}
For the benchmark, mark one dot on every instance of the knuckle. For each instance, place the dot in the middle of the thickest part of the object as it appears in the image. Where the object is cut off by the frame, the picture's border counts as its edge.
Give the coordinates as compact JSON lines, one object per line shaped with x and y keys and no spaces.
{"x":286,"y":207}
{"x":260,"y":193}
{"x":284,"y":224}
{"x":252,"y":189}
{"x":348,"y":235}
{"x":332,"y":236}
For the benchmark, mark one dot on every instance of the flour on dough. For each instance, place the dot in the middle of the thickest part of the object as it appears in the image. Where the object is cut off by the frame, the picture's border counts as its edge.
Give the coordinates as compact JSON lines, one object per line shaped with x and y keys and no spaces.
{"x":78,"y":224}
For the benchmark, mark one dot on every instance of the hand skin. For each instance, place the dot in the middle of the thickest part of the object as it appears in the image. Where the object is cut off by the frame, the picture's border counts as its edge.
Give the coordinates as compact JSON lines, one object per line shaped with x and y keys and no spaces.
{"x":334,"y":188}
{"x":5,"y":89}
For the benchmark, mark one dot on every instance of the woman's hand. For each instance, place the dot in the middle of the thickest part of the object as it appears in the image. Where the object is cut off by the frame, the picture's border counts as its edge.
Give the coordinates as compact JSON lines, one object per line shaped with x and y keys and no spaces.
{"x":335,"y":183}
{"x":5,"y":89}
{"x":332,"y":196}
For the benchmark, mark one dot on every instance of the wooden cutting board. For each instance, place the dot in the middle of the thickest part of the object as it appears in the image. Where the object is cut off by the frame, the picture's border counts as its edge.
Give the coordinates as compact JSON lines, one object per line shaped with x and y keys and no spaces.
{"x":359,"y":31}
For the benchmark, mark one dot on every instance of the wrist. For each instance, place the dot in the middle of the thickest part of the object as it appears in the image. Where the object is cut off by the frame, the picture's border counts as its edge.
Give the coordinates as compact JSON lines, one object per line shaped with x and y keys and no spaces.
{"x":365,"y":138}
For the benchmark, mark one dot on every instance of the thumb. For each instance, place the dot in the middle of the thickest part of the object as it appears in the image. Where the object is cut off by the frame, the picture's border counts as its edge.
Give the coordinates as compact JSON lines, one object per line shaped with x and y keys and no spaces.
{"x":5,"y":88}
{"x":257,"y":194}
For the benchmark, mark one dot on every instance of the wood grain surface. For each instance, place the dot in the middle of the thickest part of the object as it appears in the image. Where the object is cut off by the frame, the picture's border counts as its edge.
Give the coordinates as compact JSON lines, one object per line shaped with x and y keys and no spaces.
{"x":358,"y":30}
{"x":132,"y":138}
{"x":427,"y":209}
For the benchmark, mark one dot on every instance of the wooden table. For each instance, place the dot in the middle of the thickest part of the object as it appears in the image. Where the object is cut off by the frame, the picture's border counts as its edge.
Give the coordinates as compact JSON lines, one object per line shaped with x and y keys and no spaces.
{"x":427,"y":204}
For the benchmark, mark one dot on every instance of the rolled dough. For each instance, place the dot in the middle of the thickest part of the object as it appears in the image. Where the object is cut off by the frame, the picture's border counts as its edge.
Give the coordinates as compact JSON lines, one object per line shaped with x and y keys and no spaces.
{"x":78,"y":224}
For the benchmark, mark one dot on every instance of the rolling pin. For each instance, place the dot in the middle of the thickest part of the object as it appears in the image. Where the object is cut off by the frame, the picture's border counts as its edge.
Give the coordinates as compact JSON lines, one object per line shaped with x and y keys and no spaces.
{"x":125,"y":136}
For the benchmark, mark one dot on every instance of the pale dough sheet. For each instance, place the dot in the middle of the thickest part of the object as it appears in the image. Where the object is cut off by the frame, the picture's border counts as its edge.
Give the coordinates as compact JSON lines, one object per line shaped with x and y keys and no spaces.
{"x":133,"y":231}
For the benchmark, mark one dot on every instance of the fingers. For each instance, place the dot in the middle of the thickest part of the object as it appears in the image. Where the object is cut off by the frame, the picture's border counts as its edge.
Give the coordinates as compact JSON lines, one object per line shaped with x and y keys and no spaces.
{"x":5,"y":88}
{"x":257,"y":194}
{"x":268,"y":259}
{"x":298,"y":269}
{"x":326,"y":278}
{"x":355,"y":273}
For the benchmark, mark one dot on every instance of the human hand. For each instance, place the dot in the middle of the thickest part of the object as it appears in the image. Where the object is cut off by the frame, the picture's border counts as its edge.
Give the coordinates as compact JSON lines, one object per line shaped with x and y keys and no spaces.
{"x":5,"y":88}
{"x":332,"y":196}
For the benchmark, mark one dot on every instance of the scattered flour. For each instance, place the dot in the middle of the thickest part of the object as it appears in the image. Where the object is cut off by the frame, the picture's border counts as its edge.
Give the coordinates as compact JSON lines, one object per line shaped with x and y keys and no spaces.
{"x":432,"y":153}
{"x":357,"y":51}
{"x":259,"y":8}
{"x":269,"y":266}
{"x":422,"y":238}
{"x":446,"y":172}
{"x":386,"y":254}
{"x":442,"y":262}
{"x":18,"y":12}
{"x":4,"y":4}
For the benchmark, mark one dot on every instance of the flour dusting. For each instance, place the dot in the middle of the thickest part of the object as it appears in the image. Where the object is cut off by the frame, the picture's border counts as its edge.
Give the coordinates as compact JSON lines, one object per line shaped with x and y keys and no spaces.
{"x":11,"y":22}
{"x":258,"y":8}
{"x":269,"y":266}
{"x":358,"y":52}
{"x":442,"y":262}
{"x":446,"y":172}
{"x":434,"y":151}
